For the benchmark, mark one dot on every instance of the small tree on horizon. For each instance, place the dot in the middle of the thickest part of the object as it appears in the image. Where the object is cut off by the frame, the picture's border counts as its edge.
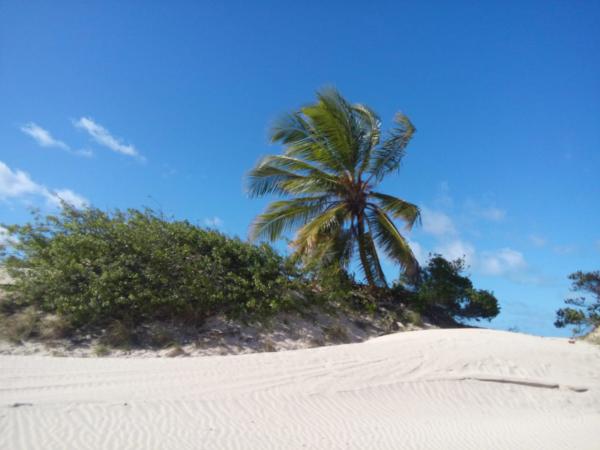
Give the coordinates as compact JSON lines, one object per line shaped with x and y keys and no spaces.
{"x":584,"y":312}
{"x":334,"y":158}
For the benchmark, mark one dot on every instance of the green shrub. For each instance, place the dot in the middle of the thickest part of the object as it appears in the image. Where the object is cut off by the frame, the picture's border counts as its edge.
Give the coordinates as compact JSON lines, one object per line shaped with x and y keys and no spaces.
{"x":101,"y":350}
{"x":443,"y":290}
{"x":336,"y":333}
{"x":118,"y":334}
{"x":268,"y":346}
{"x":54,"y":327}
{"x":412,"y":317}
{"x":20,"y":326}
{"x":94,"y":267}
{"x":159,"y":336}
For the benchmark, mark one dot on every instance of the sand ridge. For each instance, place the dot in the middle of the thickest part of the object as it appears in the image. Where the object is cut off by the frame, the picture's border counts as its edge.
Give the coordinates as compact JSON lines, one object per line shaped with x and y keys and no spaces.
{"x":461,"y":388}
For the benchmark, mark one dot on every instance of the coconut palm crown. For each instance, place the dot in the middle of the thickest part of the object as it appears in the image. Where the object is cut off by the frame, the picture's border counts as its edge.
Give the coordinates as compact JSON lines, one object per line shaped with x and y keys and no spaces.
{"x":334,"y":157}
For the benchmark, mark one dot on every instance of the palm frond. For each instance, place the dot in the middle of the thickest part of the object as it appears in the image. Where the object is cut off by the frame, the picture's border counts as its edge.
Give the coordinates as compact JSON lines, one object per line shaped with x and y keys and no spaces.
{"x":322,"y":226}
{"x":333,"y":119}
{"x":284,"y":215}
{"x":303,"y":140}
{"x":266,"y":179}
{"x":390,"y":240}
{"x":398,"y":208}
{"x":388,"y":156}
{"x":371,"y":266}
{"x":289,"y":128}
{"x":285,"y":175}
{"x":298,"y":166}
{"x":370,"y":135}
{"x":335,"y":246}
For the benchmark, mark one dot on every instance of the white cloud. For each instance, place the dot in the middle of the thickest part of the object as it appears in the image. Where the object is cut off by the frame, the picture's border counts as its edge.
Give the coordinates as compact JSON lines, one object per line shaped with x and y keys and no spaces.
{"x":103,"y":137}
{"x":448,"y":242}
{"x":443,"y":198}
{"x":536,"y":240}
{"x":490,"y":212}
{"x":436,"y":223}
{"x":493,"y":214}
{"x":16,"y":184}
{"x":457,"y":249}
{"x":213,"y":222}
{"x":85,"y":152}
{"x":502,"y":262}
{"x":418,"y":251}
{"x":564,"y":249}
{"x":505,"y":262}
{"x":43,"y":137}
{"x":69,"y":197}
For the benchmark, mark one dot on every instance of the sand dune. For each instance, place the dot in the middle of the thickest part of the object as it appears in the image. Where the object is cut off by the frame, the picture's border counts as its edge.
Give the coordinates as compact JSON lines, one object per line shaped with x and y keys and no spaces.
{"x":478,"y":389}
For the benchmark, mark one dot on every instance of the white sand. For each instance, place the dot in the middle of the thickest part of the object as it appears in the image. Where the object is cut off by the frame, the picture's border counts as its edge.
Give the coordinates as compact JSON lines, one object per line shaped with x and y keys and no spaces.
{"x":478,"y":389}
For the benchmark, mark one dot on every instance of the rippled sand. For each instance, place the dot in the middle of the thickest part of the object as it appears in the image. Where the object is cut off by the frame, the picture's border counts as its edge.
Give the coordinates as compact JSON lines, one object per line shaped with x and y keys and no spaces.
{"x":466,"y":388}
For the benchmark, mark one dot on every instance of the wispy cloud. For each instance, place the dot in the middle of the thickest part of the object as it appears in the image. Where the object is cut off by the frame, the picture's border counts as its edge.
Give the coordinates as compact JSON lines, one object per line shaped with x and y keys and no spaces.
{"x":42,"y":136}
{"x":443,"y":198}
{"x":68,"y":196}
{"x":484,"y":210}
{"x":505,"y":261}
{"x":457,"y":248}
{"x":449,"y":240}
{"x":168,"y":171}
{"x":559,"y":249}
{"x":418,"y":251}
{"x":538,"y":241}
{"x":214,"y":222}
{"x":437,"y":223}
{"x":493,"y":214}
{"x":16,"y":184}
{"x":45,"y":139}
{"x":85,"y":152}
{"x":564,"y":249}
{"x":103,"y":137}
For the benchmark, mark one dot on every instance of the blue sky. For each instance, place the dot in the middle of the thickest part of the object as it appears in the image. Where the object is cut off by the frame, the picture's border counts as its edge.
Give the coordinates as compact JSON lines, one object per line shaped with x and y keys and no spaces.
{"x":167,"y":104}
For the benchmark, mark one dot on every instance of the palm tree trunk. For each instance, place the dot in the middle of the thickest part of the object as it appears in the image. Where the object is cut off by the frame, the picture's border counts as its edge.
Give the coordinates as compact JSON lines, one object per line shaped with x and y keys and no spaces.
{"x":360,"y":228}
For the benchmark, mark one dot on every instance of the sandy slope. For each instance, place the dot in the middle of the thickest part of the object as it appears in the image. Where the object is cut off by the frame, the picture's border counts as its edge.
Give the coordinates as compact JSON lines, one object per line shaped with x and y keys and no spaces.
{"x":430,"y":389}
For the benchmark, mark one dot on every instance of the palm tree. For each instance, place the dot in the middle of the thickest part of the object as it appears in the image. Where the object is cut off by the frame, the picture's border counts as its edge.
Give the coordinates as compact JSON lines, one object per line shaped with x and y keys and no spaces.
{"x":333,"y":160}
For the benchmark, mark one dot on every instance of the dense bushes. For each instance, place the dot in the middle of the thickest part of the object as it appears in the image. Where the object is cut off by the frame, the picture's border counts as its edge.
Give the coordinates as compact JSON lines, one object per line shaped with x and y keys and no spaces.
{"x":444,"y":291}
{"x":91,"y":266}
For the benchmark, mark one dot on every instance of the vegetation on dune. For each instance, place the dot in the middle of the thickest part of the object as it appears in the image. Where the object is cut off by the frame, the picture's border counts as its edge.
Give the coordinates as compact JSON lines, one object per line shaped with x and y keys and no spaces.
{"x":134,"y":266}
{"x":117,"y":271}
{"x":334,"y":158}
{"x":126,"y":269}
{"x":583,"y":313}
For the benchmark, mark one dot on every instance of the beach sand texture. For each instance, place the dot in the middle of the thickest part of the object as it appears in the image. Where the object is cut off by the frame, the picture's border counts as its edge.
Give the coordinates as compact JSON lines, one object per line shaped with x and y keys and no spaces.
{"x":432,"y":389}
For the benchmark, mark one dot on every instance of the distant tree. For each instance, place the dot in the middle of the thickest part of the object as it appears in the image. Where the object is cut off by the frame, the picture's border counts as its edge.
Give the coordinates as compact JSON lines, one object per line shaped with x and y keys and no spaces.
{"x":334,"y":158}
{"x":444,"y":290}
{"x":584,"y":314}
